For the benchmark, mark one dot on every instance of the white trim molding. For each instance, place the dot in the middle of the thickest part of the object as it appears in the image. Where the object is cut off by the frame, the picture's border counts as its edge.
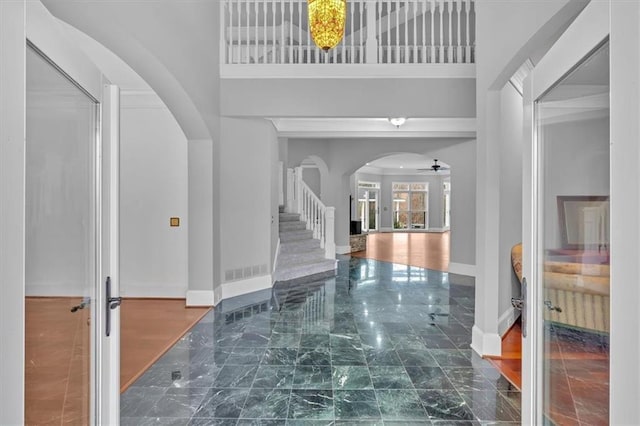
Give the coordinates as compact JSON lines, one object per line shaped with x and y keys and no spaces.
{"x":507,"y":319}
{"x":200,"y":298}
{"x":239,"y":288}
{"x":321,"y":71}
{"x":343,"y":249}
{"x":485,"y":344}
{"x":446,"y":127}
{"x":462,"y":269}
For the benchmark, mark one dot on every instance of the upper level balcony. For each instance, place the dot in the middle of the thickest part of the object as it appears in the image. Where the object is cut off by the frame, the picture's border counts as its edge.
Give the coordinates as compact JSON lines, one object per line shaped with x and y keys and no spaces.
{"x":383,"y":38}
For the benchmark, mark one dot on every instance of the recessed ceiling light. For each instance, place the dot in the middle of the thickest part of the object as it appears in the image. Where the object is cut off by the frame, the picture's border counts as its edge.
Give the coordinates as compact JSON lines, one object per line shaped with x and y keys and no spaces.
{"x":397,"y":121}
{"x":402,"y":167}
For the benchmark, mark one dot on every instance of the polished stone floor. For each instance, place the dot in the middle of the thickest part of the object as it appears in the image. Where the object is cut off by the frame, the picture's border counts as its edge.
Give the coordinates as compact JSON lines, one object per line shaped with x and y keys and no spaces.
{"x":379,"y":344}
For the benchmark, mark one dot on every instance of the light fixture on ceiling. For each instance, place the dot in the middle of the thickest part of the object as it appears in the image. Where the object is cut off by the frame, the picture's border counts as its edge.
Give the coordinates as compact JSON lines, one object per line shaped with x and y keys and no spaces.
{"x":327,"y":20}
{"x":397,"y":121}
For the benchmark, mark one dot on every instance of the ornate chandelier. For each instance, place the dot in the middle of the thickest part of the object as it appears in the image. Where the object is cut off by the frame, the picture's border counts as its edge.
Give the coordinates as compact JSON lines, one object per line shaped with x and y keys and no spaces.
{"x":327,"y":21}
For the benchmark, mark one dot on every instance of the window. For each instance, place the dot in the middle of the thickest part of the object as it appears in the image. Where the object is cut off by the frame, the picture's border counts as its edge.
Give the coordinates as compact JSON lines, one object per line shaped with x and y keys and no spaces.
{"x":410,"y":205}
{"x":368,"y":195}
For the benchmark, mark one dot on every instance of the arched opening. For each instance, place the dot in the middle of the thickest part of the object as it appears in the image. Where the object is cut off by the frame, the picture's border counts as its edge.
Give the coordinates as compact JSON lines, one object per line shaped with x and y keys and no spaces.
{"x":403,"y":201}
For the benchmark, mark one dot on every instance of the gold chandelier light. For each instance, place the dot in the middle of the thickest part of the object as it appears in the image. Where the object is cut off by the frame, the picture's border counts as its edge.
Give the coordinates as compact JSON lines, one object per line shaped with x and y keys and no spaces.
{"x":327,"y":21}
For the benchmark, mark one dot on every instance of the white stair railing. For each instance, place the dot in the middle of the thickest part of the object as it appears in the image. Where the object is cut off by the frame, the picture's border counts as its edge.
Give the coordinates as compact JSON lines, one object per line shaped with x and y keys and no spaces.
{"x":319,"y":218}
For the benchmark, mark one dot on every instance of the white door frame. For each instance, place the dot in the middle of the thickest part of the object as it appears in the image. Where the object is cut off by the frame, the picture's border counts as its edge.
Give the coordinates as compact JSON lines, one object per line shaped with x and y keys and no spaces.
{"x":588,"y":31}
{"x":19,"y":21}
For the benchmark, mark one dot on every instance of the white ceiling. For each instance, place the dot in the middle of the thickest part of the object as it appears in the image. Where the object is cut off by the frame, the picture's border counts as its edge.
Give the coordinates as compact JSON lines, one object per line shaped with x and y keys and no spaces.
{"x":403,"y":164}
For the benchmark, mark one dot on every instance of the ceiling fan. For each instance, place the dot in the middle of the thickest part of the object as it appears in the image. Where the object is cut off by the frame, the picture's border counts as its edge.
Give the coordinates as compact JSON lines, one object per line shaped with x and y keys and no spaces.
{"x":434,"y":167}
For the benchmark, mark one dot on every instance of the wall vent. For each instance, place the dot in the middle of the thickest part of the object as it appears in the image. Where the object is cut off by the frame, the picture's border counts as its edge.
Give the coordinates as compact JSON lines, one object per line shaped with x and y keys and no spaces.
{"x":245,"y":272}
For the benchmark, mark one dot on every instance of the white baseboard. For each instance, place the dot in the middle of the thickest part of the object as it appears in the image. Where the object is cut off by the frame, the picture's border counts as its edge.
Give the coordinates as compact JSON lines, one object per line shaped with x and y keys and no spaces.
{"x":343,"y":249}
{"x":54,"y":289}
{"x":462,"y":269}
{"x":507,"y":319}
{"x":485,"y":343}
{"x":439,"y":230}
{"x":217,"y":295}
{"x":165,"y":290}
{"x":386,"y":229}
{"x":200,"y":298}
{"x":238,"y":288}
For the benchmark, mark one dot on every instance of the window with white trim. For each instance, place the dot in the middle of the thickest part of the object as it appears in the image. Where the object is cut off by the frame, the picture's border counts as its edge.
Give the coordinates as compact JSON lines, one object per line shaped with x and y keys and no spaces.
{"x":410,"y":205}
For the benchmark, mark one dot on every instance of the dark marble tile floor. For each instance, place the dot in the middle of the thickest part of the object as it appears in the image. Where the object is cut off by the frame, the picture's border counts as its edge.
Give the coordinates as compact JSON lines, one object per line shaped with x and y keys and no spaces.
{"x":379,"y":344}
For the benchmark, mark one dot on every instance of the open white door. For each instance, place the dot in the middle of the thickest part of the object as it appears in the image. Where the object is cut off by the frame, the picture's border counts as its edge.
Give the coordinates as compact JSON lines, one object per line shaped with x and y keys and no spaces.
{"x":567,"y":227}
{"x":71,"y":225}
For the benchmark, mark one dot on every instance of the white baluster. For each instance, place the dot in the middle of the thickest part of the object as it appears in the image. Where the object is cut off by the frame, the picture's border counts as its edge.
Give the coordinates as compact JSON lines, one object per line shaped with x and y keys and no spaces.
{"x":406,"y":32}
{"x":433,"y":31}
{"x":424,"y":31}
{"x":273,"y":40}
{"x":441,"y":41}
{"x":264,"y":32}
{"x":246,"y":8}
{"x":351,"y":51}
{"x":388,"y":33}
{"x":300,"y":32}
{"x":256,"y":37}
{"x":459,"y":42}
{"x":414,"y":5}
{"x":290,"y":61}
{"x":467,"y":56}
{"x":450,"y":45}
{"x":397,"y":33}
{"x":378,"y":21}
{"x":315,"y":220}
{"x":362,"y":27}
{"x":281,"y":41}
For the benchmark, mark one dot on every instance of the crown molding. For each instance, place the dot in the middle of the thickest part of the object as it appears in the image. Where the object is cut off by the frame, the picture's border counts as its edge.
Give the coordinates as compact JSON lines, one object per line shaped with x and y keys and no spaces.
{"x":375,"y":127}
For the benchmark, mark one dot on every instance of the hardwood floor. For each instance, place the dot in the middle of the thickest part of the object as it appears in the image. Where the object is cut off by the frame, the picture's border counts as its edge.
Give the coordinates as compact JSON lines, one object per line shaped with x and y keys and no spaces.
{"x":424,"y":249}
{"x":510,"y":362}
{"x":57,"y":351}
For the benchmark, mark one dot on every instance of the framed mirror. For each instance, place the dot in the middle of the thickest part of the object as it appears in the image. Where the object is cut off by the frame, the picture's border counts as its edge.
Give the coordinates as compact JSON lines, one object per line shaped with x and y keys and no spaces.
{"x":584,"y":221}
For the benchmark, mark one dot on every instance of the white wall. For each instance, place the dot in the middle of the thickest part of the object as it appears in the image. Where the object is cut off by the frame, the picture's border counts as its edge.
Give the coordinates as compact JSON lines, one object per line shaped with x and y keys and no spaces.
{"x":153,"y":188}
{"x":311,"y":176}
{"x":247,"y":204}
{"x":510,"y":209}
{"x":348,"y":97}
{"x":344,"y":157}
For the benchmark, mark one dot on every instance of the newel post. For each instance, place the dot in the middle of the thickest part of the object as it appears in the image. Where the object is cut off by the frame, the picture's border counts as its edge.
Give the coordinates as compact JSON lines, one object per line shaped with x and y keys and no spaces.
{"x":290,"y":191}
{"x":372,"y":43}
{"x":299,"y":200}
{"x":330,"y":243}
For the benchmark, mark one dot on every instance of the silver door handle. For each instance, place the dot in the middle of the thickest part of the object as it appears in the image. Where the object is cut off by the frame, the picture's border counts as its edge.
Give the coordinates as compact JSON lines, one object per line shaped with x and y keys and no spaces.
{"x":112,"y":303}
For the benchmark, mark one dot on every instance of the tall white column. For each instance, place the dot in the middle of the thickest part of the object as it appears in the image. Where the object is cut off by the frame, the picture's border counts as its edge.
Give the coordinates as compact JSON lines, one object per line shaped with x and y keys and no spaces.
{"x":12,"y":228}
{"x":201,"y":221}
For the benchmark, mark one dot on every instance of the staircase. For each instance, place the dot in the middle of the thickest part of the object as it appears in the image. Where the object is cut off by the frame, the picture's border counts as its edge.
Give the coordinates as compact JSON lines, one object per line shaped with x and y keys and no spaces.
{"x":300,"y":254}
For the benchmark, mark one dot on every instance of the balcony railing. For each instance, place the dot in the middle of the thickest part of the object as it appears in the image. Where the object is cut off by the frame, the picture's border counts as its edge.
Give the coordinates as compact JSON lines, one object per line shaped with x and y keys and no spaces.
{"x":377,"y":32}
